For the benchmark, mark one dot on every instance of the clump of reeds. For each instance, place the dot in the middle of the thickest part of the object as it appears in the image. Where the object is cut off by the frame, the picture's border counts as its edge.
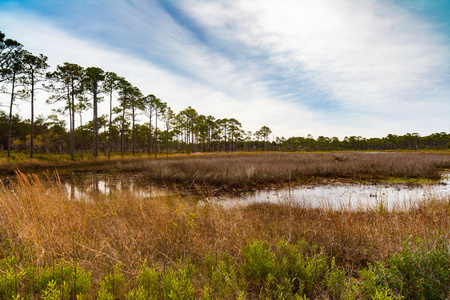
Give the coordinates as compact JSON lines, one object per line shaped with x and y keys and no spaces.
{"x":111,"y":235}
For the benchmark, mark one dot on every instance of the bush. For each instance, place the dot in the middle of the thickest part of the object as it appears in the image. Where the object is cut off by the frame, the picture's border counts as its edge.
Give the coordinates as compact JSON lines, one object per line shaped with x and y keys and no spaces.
{"x":222,"y":277}
{"x":415,"y":274}
{"x":286,"y":272}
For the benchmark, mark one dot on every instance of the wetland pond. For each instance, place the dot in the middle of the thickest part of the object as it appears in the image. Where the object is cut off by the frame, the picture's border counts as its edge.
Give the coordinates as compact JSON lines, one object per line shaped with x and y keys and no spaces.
{"x":329,"y":196}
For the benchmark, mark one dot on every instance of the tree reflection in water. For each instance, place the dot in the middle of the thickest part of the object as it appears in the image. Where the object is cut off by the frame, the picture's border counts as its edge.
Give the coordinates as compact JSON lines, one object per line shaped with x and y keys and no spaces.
{"x":330,"y":196}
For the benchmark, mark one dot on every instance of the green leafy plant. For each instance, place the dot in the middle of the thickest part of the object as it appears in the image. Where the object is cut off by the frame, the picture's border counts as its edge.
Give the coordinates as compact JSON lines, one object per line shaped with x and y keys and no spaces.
{"x":10,"y":277}
{"x":415,"y":274}
{"x":222,"y":275}
{"x":112,"y":285}
{"x":179,"y":284}
{"x":69,"y":279}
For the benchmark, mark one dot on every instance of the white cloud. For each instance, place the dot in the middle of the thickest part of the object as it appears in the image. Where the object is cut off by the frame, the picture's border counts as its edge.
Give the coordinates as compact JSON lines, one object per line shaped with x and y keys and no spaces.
{"x":376,"y":65}
{"x":250,"y":104}
{"x":365,"y":54}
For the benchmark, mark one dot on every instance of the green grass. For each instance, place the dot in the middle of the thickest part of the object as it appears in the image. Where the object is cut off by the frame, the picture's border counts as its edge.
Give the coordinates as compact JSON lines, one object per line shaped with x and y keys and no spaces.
{"x":285,"y":271}
{"x":401,"y":180}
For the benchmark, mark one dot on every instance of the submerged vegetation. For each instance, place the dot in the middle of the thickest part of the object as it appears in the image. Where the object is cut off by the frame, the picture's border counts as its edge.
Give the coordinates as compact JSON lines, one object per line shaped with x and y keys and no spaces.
{"x":126,"y":247}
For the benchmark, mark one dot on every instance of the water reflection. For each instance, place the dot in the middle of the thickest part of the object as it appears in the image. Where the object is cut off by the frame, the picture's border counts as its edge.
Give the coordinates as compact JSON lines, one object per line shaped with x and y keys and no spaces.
{"x":88,"y":185}
{"x":348,"y":196}
{"x":330,"y":196}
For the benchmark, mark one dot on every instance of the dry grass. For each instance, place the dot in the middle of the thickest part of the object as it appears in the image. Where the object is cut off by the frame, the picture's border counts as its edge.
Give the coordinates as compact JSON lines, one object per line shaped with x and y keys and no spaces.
{"x":65,"y":166}
{"x":247,"y":171}
{"x":42,"y":225}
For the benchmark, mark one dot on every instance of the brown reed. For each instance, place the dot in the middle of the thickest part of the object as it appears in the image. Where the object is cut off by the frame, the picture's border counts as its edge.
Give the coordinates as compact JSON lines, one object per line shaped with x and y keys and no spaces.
{"x":42,"y":224}
{"x":248,"y":171}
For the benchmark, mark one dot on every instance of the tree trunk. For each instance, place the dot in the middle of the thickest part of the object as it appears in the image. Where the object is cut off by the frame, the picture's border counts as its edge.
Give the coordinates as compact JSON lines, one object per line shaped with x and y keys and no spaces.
{"x":70,"y":123}
{"x":121,"y":133}
{"x":167,"y":139}
{"x":192,"y":139}
{"x":10,"y":116}
{"x":132,"y":137}
{"x":81,"y":135}
{"x":95,"y":123}
{"x":32,"y":118}
{"x":150,"y":135}
{"x":72,"y":130}
{"x":156,"y":134}
{"x":110,"y":123}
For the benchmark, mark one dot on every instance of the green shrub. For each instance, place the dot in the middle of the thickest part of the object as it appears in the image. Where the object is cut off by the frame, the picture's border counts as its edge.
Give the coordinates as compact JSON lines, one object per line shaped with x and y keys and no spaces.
{"x":69,"y":279}
{"x":385,"y":294}
{"x":369,"y":282}
{"x":222,"y":276}
{"x":286,"y":272}
{"x":138,"y":294}
{"x":179,"y":284}
{"x":415,"y":274}
{"x":335,"y":281}
{"x":10,"y":278}
{"x":112,"y":285}
{"x":148,"y":281}
{"x":156,"y":284}
{"x":307,"y":270}
{"x":259,"y":267}
{"x":52,"y":292}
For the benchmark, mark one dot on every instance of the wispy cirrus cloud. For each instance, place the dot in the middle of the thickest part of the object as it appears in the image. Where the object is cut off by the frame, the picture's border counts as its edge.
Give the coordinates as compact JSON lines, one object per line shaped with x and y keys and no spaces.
{"x":226,"y":94}
{"x":362,"y":54}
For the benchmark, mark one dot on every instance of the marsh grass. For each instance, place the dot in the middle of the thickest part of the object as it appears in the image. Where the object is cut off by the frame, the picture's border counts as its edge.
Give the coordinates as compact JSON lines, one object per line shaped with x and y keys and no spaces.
{"x":249,"y":171}
{"x":101,"y":165}
{"x":120,"y":244}
{"x":23,"y":157}
{"x":234,"y":172}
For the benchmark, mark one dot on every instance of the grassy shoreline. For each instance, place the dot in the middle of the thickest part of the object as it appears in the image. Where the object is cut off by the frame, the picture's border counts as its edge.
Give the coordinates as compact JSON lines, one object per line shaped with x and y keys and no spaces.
{"x":123,"y":246}
{"x":242,"y":172}
{"x":237,"y":172}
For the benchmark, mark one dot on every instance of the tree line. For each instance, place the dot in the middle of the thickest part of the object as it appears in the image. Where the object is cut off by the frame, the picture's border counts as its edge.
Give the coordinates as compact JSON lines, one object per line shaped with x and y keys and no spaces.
{"x":74,"y":90}
{"x":408,"y":141}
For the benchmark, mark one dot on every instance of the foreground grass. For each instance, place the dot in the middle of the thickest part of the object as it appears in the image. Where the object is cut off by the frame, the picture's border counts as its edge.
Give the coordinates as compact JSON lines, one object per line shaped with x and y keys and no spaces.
{"x":126,"y":247}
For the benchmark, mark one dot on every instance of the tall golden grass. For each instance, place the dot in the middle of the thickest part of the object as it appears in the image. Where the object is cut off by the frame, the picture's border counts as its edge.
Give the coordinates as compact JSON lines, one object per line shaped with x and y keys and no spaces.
{"x":41,"y":225}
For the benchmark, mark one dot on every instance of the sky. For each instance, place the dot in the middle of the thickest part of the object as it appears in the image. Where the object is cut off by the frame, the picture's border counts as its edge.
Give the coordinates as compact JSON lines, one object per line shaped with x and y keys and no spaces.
{"x":321,"y":67}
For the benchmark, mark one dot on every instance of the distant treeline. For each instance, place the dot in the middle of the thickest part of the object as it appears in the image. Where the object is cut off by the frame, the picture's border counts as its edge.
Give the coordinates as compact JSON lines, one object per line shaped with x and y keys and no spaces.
{"x":52,"y":137}
{"x":408,"y":141}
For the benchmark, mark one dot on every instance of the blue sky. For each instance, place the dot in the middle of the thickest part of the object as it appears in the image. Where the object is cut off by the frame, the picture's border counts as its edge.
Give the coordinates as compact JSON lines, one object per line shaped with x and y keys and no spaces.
{"x":320,"y":67}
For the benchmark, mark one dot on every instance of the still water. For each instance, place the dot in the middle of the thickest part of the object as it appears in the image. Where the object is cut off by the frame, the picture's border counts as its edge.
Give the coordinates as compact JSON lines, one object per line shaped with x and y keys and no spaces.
{"x":329,"y":196}
{"x":84,"y":186}
{"x":350,"y":196}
